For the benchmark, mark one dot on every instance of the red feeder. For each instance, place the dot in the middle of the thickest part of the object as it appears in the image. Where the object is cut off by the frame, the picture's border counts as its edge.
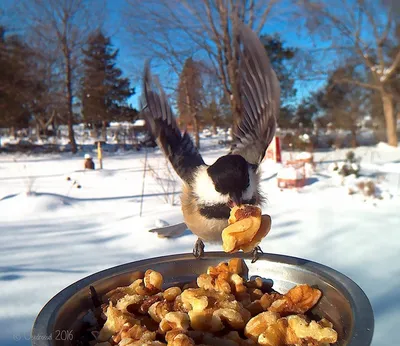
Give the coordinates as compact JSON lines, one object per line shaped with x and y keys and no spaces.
{"x":274,"y":150}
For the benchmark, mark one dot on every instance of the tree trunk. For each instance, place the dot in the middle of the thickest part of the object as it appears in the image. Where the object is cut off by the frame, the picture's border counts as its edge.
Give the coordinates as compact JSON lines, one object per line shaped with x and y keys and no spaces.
{"x":54,"y":126}
{"x":37,"y":130}
{"x":354,"y":137}
{"x":93,"y":133}
{"x":214,"y":124}
{"x":70,"y":114}
{"x":388,"y":110}
{"x":236,"y":114}
{"x":104,"y":130}
{"x":196,"y":130}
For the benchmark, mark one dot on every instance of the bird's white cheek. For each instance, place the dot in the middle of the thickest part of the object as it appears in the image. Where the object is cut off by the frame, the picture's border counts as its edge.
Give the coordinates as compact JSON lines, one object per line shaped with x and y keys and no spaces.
{"x":251,"y":191}
{"x":205,"y":190}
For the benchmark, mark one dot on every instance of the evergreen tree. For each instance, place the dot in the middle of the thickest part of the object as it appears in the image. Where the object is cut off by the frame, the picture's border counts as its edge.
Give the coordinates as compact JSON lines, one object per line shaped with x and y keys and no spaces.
{"x":345,"y":104}
{"x":190,"y":97}
{"x":21,"y":87}
{"x":287,"y":117}
{"x":307,"y":110}
{"x":104,"y":90}
{"x":11,"y":82}
{"x":281,"y":57}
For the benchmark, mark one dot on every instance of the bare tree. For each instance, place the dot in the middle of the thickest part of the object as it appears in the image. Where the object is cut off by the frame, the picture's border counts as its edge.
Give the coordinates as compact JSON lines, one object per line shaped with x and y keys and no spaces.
{"x":360,"y":32}
{"x":63,"y":26}
{"x":170,"y":31}
{"x":46,"y":106}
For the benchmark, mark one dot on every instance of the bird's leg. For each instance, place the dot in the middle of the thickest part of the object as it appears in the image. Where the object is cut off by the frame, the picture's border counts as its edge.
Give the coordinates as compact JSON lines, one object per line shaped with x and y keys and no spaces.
{"x":198,"y":249}
{"x":95,"y":297}
{"x":256,"y":254}
{"x":96,"y":306}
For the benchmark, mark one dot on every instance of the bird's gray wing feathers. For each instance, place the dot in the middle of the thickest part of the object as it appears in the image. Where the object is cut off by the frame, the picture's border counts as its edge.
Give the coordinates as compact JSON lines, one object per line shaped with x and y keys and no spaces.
{"x":178,"y":148}
{"x":260,"y":97}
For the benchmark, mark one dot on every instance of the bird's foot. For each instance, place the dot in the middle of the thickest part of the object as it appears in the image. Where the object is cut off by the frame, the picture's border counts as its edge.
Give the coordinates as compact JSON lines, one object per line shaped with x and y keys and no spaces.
{"x":198,"y":249}
{"x":256,"y":254}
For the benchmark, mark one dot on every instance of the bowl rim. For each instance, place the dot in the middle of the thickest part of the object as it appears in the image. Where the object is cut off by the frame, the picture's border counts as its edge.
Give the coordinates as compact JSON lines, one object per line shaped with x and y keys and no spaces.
{"x":362,"y":332}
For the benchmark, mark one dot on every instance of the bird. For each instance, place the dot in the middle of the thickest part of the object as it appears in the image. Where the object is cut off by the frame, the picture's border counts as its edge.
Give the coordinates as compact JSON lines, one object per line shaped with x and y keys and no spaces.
{"x":210,"y":191}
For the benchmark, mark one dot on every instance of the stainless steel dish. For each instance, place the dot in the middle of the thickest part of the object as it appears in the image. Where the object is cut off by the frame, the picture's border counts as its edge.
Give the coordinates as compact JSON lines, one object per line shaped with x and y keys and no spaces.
{"x":343,"y":302}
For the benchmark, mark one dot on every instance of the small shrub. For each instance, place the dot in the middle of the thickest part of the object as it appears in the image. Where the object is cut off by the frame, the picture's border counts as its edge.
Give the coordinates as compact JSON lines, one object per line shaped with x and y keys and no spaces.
{"x":350,"y":166}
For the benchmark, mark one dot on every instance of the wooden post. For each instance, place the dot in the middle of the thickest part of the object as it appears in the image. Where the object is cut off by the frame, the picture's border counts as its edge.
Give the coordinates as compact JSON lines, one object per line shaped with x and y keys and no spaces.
{"x":99,"y":155}
{"x":278,"y":156}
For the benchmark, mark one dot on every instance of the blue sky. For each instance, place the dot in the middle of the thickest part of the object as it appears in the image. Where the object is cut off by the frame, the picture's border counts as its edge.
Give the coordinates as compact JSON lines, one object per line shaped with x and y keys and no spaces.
{"x":129,"y":62}
{"x":127,"y":57}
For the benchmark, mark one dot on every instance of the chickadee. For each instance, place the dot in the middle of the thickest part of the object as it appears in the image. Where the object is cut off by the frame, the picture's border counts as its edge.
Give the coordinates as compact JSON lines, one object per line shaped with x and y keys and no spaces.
{"x":210,"y":191}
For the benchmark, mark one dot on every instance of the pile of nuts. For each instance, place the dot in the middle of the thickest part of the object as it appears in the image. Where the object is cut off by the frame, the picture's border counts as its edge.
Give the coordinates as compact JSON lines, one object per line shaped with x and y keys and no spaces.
{"x":220,"y":308}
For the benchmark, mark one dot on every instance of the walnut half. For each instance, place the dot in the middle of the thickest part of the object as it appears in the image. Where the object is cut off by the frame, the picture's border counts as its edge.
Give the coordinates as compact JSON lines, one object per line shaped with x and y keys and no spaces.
{"x":298,"y":300}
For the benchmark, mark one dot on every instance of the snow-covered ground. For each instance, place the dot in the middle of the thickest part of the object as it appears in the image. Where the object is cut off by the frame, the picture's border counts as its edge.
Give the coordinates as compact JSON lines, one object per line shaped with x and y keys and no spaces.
{"x":59,"y":233}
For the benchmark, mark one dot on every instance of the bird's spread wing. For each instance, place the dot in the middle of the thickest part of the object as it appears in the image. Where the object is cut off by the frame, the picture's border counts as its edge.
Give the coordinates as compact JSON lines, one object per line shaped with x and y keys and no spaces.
{"x":260,"y":97}
{"x":179,"y":148}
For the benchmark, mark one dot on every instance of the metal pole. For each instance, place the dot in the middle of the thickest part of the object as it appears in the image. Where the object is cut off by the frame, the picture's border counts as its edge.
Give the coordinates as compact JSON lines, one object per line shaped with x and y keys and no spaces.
{"x":143,"y":181}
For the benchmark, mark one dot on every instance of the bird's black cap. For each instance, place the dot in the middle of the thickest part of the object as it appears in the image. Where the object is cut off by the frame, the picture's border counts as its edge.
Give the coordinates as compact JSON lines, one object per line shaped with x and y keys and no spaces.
{"x":230,"y":175}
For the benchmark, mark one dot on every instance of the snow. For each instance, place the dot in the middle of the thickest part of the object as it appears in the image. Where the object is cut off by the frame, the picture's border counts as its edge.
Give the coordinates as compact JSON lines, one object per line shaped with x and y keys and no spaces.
{"x":120,"y":124}
{"x":386,"y":147}
{"x":304,"y":156}
{"x":290,"y":173}
{"x":308,"y":170}
{"x":53,"y":234}
{"x":139,"y":122}
{"x":161,"y":223}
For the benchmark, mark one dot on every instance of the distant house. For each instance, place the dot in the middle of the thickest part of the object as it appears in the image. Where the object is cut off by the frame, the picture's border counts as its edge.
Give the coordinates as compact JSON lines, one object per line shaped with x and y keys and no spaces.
{"x":140,"y":125}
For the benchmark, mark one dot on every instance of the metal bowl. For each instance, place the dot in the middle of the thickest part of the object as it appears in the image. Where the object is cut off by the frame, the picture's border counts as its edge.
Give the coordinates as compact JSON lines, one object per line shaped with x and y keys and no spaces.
{"x":342,"y":302}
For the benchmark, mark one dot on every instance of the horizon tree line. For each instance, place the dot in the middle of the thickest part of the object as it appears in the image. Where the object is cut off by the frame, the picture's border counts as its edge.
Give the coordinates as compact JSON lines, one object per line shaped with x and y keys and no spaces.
{"x":63,"y":70}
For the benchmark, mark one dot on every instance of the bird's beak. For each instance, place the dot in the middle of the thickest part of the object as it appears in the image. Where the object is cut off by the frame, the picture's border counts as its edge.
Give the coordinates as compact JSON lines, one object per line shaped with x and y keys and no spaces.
{"x":235,"y":200}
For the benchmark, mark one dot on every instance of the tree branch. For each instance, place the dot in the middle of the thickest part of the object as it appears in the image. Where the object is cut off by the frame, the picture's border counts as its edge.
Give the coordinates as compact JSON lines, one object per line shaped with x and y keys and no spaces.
{"x":392,"y":68}
{"x":264,"y":16}
{"x":251,"y":13}
{"x":361,"y":84}
{"x":222,"y":72}
{"x":374,"y":26}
